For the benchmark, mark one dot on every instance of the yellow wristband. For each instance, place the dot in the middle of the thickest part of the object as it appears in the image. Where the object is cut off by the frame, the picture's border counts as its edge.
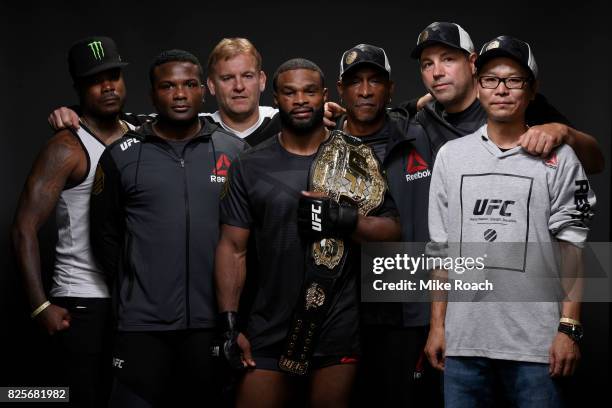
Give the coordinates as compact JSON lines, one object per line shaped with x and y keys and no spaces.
{"x":40,"y":308}
{"x":569,"y":321}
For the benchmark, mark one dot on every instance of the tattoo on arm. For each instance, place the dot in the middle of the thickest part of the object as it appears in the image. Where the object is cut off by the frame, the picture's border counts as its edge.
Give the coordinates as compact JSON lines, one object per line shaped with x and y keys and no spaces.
{"x":53,"y":168}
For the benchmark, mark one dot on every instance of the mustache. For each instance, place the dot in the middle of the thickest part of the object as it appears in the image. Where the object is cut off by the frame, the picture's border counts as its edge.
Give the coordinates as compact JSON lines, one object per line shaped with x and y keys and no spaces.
{"x":110,"y":95}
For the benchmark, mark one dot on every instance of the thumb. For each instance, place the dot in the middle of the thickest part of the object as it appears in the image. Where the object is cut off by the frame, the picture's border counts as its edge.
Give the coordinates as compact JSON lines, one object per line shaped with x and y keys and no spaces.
{"x":313,"y":194}
{"x":247,"y":356}
{"x":551,"y":357}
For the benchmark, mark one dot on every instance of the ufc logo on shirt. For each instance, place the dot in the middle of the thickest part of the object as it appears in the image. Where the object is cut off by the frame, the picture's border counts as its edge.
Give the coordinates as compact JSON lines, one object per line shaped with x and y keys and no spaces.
{"x":125,"y":145}
{"x":316,"y":217}
{"x":481,"y":205}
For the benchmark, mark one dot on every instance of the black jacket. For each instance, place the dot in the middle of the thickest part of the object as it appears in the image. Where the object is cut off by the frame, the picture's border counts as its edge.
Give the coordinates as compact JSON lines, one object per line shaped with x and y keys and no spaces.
{"x":408,"y":162}
{"x":154,"y":226}
{"x":409,"y":159}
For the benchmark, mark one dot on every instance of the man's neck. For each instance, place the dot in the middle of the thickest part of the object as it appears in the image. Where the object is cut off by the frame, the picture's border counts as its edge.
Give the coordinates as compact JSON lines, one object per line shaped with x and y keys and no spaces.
{"x":177,"y":131}
{"x":463,"y":103}
{"x":239,"y":122}
{"x":356,"y":128}
{"x":505,"y":134}
{"x":106,"y":128}
{"x":302,"y":144}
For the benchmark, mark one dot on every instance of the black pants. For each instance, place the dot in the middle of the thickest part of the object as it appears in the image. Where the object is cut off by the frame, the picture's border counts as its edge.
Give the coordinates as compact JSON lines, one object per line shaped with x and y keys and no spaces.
{"x":389,"y":361}
{"x":83,"y":351}
{"x":154,"y":369}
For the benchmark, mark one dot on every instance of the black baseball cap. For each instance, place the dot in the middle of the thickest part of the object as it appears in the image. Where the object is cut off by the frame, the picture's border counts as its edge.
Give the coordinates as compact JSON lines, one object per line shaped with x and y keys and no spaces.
{"x":92,"y":55}
{"x":506,"y":46}
{"x":450,"y":34}
{"x":364,"y":54}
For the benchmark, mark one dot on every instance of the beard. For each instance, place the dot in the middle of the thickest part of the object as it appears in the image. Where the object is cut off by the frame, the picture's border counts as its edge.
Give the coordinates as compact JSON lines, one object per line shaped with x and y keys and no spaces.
{"x":302,"y":126}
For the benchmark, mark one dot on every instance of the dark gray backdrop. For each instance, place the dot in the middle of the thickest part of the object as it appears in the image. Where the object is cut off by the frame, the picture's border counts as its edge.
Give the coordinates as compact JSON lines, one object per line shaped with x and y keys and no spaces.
{"x":571,"y":44}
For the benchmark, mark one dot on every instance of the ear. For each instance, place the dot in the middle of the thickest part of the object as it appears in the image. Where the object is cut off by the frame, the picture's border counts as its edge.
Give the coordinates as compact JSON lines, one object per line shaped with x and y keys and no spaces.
{"x":262,"y":81}
{"x":391,"y":89}
{"x":534,"y":89}
{"x":211,"y":86}
{"x":472,"y":61}
{"x":274,"y":96}
{"x":340,"y":89}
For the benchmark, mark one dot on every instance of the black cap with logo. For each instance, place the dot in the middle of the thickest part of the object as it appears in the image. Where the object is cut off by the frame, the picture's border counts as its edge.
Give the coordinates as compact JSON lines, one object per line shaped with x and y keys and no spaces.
{"x":506,"y":46}
{"x":92,"y":55}
{"x":364,"y":54}
{"x":450,"y":34}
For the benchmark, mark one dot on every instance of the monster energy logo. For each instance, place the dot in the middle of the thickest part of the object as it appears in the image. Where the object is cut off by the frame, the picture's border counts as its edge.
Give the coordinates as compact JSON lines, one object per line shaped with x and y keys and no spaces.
{"x":96,"y":49}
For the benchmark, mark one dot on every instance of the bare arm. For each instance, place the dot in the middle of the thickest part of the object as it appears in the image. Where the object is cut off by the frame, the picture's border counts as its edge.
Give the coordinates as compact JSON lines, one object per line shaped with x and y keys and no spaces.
{"x":564,"y":352}
{"x":230,"y":266}
{"x":371,"y":229}
{"x":59,"y":163}
{"x":587,"y":149}
{"x":435,"y":347}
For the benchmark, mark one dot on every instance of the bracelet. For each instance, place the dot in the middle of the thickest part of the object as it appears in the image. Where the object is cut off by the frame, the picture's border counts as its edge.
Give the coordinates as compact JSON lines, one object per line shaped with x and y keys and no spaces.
{"x":570,"y":321}
{"x":40,"y":308}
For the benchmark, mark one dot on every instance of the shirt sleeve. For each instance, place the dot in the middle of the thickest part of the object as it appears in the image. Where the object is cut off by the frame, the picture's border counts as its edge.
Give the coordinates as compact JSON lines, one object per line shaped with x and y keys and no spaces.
{"x":572,"y":199}
{"x":438,"y":209}
{"x":235,"y":207}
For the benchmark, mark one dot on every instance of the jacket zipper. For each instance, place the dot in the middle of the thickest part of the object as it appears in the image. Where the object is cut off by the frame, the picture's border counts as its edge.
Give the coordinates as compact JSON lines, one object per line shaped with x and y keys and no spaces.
{"x":186,"y":195}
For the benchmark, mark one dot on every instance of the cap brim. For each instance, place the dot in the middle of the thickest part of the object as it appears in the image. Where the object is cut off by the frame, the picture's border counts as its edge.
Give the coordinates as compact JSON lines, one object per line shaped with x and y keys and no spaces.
{"x":102,"y":67}
{"x":416,"y":52}
{"x":363,"y":63}
{"x":496,"y":53}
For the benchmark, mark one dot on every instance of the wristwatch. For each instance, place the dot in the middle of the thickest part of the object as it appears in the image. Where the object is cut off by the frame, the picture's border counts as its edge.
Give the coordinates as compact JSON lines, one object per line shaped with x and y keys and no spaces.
{"x":574,"y":331}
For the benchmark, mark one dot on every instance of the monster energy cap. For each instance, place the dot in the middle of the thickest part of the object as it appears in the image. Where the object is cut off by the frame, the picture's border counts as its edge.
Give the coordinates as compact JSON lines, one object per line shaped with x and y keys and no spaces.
{"x":92,"y":55}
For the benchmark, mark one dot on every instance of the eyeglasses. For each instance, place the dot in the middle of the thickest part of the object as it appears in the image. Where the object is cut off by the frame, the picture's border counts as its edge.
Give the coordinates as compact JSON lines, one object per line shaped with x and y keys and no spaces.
{"x":492,"y":82}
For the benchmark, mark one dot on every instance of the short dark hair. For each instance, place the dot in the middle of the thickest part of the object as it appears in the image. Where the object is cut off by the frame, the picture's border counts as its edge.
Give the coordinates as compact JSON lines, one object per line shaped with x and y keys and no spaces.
{"x":297,"y":63}
{"x":174,"y":56}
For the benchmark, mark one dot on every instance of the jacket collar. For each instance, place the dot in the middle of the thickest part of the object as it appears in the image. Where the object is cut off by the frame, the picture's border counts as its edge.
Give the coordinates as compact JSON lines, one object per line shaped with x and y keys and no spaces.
{"x":145,"y":133}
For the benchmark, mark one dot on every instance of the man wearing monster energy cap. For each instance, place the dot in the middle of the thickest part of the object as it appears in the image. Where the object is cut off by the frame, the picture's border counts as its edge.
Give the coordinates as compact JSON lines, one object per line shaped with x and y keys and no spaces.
{"x":77,"y":310}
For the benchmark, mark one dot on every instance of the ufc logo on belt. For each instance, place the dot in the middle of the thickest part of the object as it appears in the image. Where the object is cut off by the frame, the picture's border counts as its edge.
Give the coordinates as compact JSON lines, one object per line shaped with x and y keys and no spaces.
{"x":316,"y":217}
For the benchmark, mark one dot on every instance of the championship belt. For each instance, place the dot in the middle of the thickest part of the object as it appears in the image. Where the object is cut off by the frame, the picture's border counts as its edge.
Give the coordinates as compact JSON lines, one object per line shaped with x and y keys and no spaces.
{"x":346,"y":170}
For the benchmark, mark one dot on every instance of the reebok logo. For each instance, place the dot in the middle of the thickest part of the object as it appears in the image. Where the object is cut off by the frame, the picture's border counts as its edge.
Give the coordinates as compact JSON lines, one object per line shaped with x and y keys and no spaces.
{"x":219,"y":173}
{"x":581,"y":199}
{"x":416,"y":168}
{"x":487,"y":206}
{"x":552,"y":161}
{"x":125,"y":145}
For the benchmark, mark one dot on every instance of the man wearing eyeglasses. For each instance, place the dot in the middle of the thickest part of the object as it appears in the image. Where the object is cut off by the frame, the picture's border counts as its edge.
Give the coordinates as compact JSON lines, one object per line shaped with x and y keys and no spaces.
{"x":519,"y":334}
{"x":446,"y":57}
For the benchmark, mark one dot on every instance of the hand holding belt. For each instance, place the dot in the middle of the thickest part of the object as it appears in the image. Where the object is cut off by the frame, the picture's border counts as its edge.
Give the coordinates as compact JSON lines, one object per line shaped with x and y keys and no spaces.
{"x":231,"y":350}
{"x":347,"y":176}
{"x":322,"y":217}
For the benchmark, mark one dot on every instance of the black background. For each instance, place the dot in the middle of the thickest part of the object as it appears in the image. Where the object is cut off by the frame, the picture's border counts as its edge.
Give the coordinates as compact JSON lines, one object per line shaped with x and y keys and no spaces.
{"x":571,"y":43}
